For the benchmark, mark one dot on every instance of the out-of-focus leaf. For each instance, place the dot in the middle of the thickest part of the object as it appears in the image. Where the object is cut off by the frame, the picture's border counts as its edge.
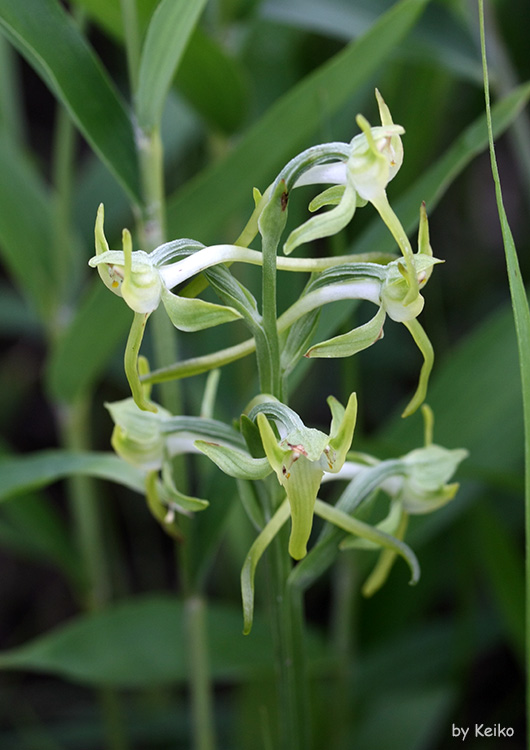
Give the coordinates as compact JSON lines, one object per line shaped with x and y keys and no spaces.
{"x":439,"y":37}
{"x":276,"y":137}
{"x":405,"y":720}
{"x":47,"y":37}
{"x":18,"y":319}
{"x":27,"y":472}
{"x":500,"y":555}
{"x":213,"y":83}
{"x":79,"y":356}
{"x":33,"y":529}
{"x":141,"y":643}
{"x":167,"y":37}
{"x":26,"y":227}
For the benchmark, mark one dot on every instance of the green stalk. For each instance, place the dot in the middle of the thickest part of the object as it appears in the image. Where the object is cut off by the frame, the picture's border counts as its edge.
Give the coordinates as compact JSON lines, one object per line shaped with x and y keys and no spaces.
{"x":286,"y":603}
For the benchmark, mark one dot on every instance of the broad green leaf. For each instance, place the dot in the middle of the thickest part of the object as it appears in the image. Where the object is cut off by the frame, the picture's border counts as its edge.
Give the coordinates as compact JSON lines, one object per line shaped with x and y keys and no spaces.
{"x":142,"y":643}
{"x":46,"y":36}
{"x":27,"y":472}
{"x":286,"y":127}
{"x":26,"y":231}
{"x":79,"y":356}
{"x":167,"y":37}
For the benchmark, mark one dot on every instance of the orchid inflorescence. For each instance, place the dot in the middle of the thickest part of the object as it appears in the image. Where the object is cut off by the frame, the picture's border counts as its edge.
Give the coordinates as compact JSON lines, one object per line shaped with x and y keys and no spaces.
{"x":271,"y":439}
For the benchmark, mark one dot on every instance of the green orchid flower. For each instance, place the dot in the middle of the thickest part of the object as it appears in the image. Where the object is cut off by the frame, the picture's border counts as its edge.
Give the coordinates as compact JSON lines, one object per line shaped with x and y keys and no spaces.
{"x":372,"y":160}
{"x":417,"y":483}
{"x":395,"y":288}
{"x":299,"y":458}
{"x":148,"y":441}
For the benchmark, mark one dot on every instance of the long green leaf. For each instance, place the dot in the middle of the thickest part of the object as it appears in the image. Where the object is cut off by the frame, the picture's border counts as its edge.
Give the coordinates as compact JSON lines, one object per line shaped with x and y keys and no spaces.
{"x":521,"y":314}
{"x":196,"y":210}
{"x":141,"y":643}
{"x":47,"y":37}
{"x":27,"y":472}
{"x":167,"y":37}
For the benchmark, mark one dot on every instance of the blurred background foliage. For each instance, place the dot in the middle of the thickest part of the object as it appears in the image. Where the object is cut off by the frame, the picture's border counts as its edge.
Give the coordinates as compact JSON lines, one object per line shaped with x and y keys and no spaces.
{"x":259,"y":80}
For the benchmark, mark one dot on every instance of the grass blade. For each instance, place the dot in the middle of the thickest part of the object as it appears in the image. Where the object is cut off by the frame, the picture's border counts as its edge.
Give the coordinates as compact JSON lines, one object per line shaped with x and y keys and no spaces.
{"x":167,"y":37}
{"x":521,"y":314}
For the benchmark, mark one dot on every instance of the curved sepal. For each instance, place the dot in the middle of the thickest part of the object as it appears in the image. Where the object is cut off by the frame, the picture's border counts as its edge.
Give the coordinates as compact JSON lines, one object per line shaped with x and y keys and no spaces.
{"x":194,"y":314}
{"x":236,"y":463}
{"x":325,"y":224}
{"x":257,"y":549}
{"x":348,"y":344}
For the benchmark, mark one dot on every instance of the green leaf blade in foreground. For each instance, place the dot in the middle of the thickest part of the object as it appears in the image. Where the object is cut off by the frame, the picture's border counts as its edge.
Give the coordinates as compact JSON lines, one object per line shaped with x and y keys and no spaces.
{"x":48,"y":38}
{"x":167,"y":38}
{"x":27,"y":472}
{"x":286,"y":127}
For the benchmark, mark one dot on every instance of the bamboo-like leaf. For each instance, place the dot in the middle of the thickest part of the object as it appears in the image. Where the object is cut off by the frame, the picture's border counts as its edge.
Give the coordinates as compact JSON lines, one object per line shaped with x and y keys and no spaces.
{"x":285,"y":128}
{"x":26,"y":227}
{"x":46,"y":36}
{"x":167,"y":37}
{"x":22,"y":473}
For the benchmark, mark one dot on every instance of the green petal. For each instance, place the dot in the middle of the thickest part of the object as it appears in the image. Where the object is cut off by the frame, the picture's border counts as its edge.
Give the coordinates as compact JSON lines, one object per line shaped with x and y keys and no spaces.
{"x":332,"y":196}
{"x":132,"y":351}
{"x":235,"y":462}
{"x":424,"y":345}
{"x":325,"y":224}
{"x":157,"y":508}
{"x":253,"y":557}
{"x":193,"y":314}
{"x":342,"y":435}
{"x":365,"y":531}
{"x":170,"y":495}
{"x":301,"y":481}
{"x":350,"y":343}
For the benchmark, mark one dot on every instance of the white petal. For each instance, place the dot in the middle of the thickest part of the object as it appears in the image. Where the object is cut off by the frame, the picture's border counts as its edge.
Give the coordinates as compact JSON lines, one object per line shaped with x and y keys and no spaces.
{"x":324,"y":174}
